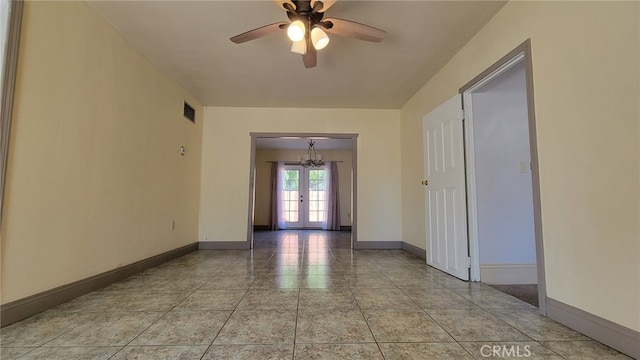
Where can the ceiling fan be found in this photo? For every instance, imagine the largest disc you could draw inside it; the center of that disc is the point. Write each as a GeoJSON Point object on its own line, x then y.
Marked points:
{"type": "Point", "coordinates": [308, 28]}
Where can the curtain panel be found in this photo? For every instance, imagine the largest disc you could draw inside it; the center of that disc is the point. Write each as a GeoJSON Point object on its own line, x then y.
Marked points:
{"type": "Point", "coordinates": [273, 200]}
{"type": "Point", "coordinates": [333, 198]}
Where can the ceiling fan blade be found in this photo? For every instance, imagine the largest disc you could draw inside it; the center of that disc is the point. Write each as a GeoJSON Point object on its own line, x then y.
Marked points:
{"type": "Point", "coordinates": [281, 3]}
{"type": "Point", "coordinates": [325, 4]}
{"type": "Point", "coordinates": [352, 29]}
{"type": "Point", "coordinates": [259, 32]}
{"type": "Point", "coordinates": [310, 59]}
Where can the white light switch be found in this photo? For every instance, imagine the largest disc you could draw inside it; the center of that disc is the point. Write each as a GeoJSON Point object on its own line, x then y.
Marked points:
{"type": "Point", "coordinates": [523, 166]}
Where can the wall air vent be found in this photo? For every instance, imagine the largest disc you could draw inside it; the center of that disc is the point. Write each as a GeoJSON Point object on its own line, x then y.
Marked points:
{"type": "Point", "coordinates": [189, 112]}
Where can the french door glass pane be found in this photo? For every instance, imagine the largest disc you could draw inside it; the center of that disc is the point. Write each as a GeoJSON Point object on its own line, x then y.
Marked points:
{"type": "Point", "coordinates": [291, 195]}
{"type": "Point", "coordinates": [317, 195]}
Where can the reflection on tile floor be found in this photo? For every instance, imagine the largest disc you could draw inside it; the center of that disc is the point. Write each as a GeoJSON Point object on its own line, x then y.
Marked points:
{"type": "Point", "coordinates": [297, 295]}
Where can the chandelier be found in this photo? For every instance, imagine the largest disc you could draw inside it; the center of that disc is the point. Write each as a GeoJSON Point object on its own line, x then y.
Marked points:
{"type": "Point", "coordinates": [311, 158]}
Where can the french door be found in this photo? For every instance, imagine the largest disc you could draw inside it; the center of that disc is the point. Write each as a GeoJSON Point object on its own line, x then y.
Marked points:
{"type": "Point", "coordinates": [304, 197]}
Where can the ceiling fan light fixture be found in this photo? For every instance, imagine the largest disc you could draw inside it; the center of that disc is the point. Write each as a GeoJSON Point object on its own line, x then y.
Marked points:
{"type": "Point", "coordinates": [299, 47]}
{"type": "Point", "coordinates": [319, 38]}
{"type": "Point", "coordinates": [307, 27]}
{"type": "Point", "coordinates": [296, 31]}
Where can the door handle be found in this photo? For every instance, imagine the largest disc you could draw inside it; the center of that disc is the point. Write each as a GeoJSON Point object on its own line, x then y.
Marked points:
{"type": "Point", "coordinates": [425, 182]}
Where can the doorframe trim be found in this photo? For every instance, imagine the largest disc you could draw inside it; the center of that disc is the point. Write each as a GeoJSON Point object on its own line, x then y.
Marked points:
{"type": "Point", "coordinates": [470, 161]}
{"type": "Point", "coordinates": [523, 54]}
{"type": "Point", "coordinates": [10, 70]}
{"type": "Point", "coordinates": [354, 176]}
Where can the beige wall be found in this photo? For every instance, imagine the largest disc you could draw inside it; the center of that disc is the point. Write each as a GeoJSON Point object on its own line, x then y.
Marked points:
{"type": "Point", "coordinates": [226, 156]}
{"type": "Point", "coordinates": [95, 177]}
{"type": "Point", "coordinates": [263, 180]}
{"type": "Point", "coordinates": [586, 71]}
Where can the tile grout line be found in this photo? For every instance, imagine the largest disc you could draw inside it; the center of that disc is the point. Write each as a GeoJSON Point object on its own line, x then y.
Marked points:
{"type": "Point", "coordinates": [228, 318]}
{"type": "Point", "coordinates": [153, 323]}
{"type": "Point", "coordinates": [295, 327]}
{"type": "Point", "coordinates": [440, 326]}
{"type": "Point", "coordinates": [383, 261]}
{"type": "Point", "coordinates": [43, 344]}
{"type": "Point", "coordinates": [366, 321]}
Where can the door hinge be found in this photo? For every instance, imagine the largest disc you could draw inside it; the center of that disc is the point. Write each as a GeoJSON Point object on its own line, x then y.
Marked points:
{"type": "Point", "coordinates": [461, 114]}
{"type": "Point", "coordinates": [468, 262]}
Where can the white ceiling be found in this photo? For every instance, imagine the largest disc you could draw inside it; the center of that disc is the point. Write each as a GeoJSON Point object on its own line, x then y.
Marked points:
{"type": "Point", "coordinates": [189, 42]}
{"type": "Point", "coordinates": [302, 144]}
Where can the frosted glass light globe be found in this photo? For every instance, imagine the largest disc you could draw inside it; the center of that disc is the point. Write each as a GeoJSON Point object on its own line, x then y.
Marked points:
{"type": "Point", "coordinates": [296, 31]}
{"type": "Point", "coordinates": [319, 38]}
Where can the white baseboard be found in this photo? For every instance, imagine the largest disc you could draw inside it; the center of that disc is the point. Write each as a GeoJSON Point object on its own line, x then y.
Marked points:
{"type": "Point", "coordinates": [621, 338]}
{"type": "Point", "coordinates": [421, 253]}
{"type": "Point", "coordinates": [377, 245]}
{"type": "Point", "coordinates": [508, 274]}
{"type": "Point", "coordinates": [224, 245]}
{"type": "Point", "coordinates": [23, 308]}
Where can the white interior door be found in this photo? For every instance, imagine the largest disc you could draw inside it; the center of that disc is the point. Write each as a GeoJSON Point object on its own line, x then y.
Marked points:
{"type": "Point", "coordinates": [445, 197]}
{"type": "Point", "coordinates": [305, 196]}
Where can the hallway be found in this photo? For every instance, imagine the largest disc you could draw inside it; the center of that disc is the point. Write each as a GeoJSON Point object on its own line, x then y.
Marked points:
{"type": "Point", "coordinates": [298, 294]}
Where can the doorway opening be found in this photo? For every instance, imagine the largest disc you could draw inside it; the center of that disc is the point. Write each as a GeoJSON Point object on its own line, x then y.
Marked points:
{"type": "Point", "coordinates": [482, 191]}
{"type": "Point", "coordinates": [503, 207]}
{"type": "Point", "coordinates": [286, 195]}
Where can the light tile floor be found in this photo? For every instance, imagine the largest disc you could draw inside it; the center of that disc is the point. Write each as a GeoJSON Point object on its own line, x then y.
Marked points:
{"type": "Point", "coordinates": [297, 295]}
